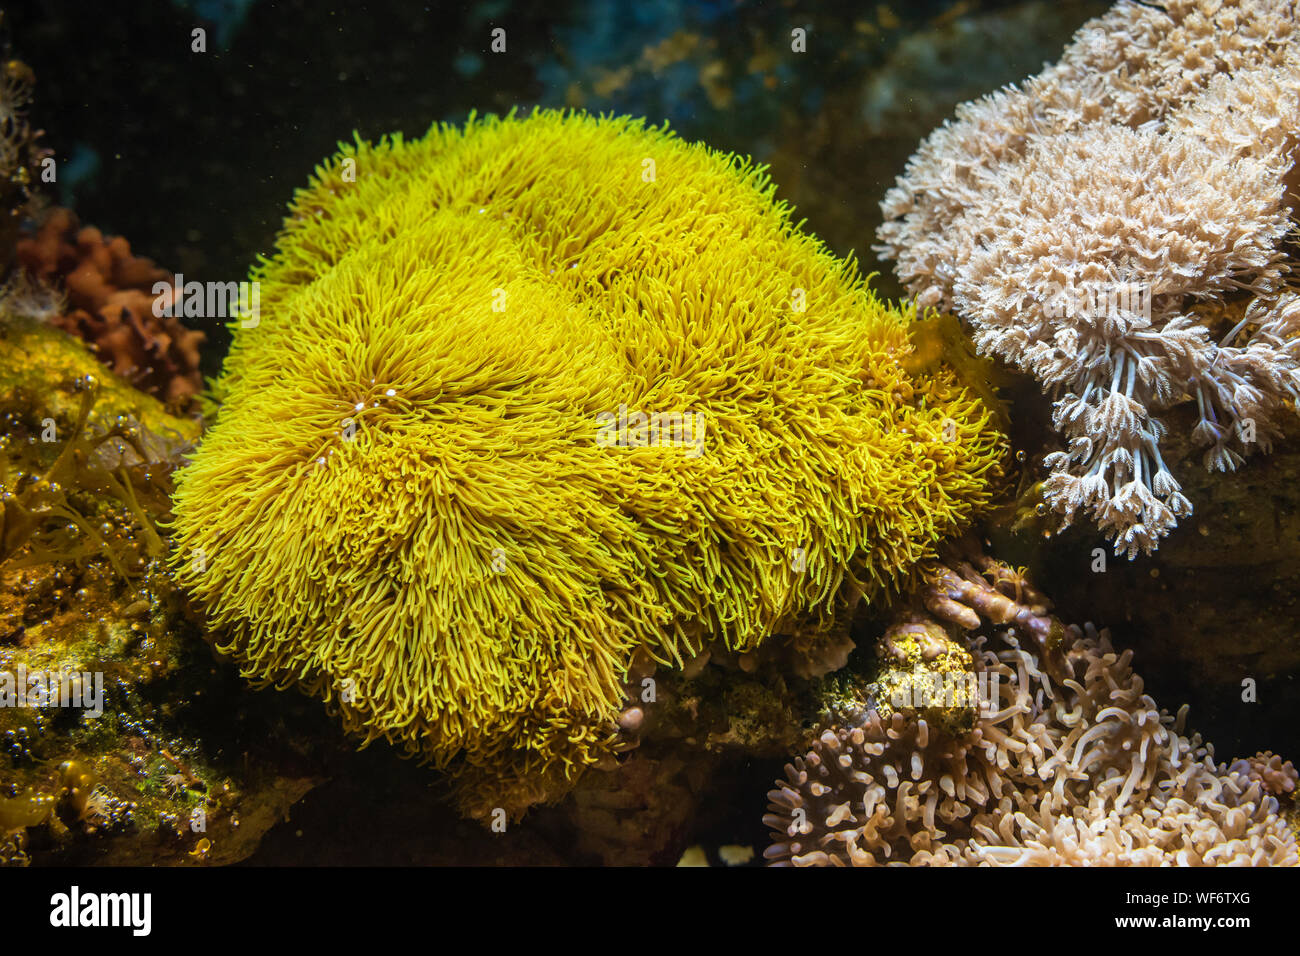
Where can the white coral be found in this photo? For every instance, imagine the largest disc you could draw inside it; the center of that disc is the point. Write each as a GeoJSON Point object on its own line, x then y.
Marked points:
{"type": "Point", "coordinates": [1105, 223]}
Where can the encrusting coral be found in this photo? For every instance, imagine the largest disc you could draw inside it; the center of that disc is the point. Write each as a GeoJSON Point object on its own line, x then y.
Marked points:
{"type": "Point", "coordinates": [528, 396]}
{"type": "Point", "coordinates": [1119, 226]}
{"type": "Point", "coordinates": [1061, 759]}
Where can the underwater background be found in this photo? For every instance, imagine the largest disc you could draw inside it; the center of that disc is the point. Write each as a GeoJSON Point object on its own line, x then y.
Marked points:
{"type": "Point", "coordinates": [193, 157]}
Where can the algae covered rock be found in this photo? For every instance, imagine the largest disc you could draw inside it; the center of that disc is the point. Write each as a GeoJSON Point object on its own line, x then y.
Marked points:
{"type": "Point", "coordinates": [121, 739]}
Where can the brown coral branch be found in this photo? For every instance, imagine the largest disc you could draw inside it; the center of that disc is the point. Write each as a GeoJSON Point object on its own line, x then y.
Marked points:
{"type": "Point", "coordinates": [110, 304]}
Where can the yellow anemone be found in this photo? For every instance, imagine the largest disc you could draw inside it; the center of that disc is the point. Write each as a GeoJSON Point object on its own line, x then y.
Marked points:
{"type": "Point", "coordinates": [526, 396]}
